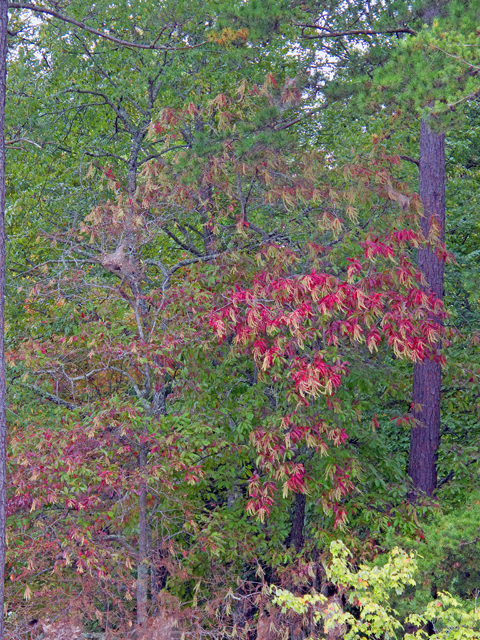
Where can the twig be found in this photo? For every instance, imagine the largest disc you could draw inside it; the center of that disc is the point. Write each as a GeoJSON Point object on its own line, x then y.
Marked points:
{"type": "Point", "coordinates": [410, 159]}
{"type": "Point", "coordinates": [353, 32]}
{"type": "Point", "coordinates": [15, 140]}
{"type": "Point", "coordinates": [77, 23]}
{"type": "Point", "coordinates": [47, 396]}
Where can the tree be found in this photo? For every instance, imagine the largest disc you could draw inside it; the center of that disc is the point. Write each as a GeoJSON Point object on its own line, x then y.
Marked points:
{"type": "Point", "coordinates": [427, 376]}
{"type": "Point", "coordinates": [3, 382]}
{"type": "Point", "coordinates": [326, 299]}
{"type": "Point", "coordinates": [425, 95]}
{"type": "Point", "coordinates": [370, 591]}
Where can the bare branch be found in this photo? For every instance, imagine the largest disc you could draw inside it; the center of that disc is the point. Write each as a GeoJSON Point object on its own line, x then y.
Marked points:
{"type": "Point", "coordinates": [353, 32]}
{"type": "Point", "coordinates": [123, 542]}
{"type": "Point", "coordinates": [185, 263]}
{"type": "Point", "coordinates": [15, 140]}
{"type": "Point", "coordinates": [161, 153]}
{"type": "Point", "coordinates": [140, 394]}
{"type": "Point", "coordinates": [105, 75]}
{"type": "Point", "coordinates": [47, 396]}
{"type": "Point", "coordinates": [301, 118]}
{"type": "Point", "coordinates": [77, 23]}
{"type": "Point", "coordinates": [105, 155]}
{"type": "Point", "coordinates": [121, 113]}
{"type": "Point", "coordinates": [168, 273]}
{"type": "Point", "coordinates": [410, 159]}
{"type": "Point", "coordinates": [187, 247]}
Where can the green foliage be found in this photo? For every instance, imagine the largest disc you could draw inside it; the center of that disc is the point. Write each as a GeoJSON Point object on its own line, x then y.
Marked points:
{"type": "Point", "coordinates": [370, 589]}
{"type": "Point", "coordinates": [447, 554]}
{"type": "Point", "coordinates": [231, 104]}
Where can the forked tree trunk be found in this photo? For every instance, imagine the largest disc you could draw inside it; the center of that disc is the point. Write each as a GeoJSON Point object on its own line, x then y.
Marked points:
{"type": "Point", "coordinates": [427, 376]}
{"type": "Point", "coordinates": [3, 386]}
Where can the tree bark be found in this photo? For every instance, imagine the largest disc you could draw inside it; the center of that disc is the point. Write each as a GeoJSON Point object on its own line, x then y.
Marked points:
{"type": "Point", "coordinates": [296, 536]}
{"type": "Point", "coordinates": [143, 559]}
{"type": "Point", "coordinates": [3, 386]}
{"type": "Point", "coordinates": [427, 376]}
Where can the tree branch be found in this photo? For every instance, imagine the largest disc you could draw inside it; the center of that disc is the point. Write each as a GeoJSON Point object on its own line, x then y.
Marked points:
{"type": "Point", "coordinates": [186, 247]}
{"type": "Point", "coordinates": [410, 159]}
{"type": "Point", "coordinates": [185, 263]}
{"type": "Point", "coordinates": [168, 273]}
{"type": "Point", "coordinates": [47, 396]}
{"type": "Point", "coordinates": [353, 32]}
{"type": "Point", "coordinates": [451, 475]}
{"type": "Point", "coordinates": [78, 23]}
{"type": "Point", "coordinates": [105, 75]}
{"type": "Point", "coordinates": [121, 113]}
{"type": "Point", "coordinates": [15, 140]}
{"type": "Point", "coordinates": [300, 118]}
{"type": "Point", "coordinates": [161, 153]}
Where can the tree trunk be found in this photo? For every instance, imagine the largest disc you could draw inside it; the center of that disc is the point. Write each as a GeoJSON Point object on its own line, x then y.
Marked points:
{"type": "Point", "coordinates": [143, 535]}
{"type": "Point", "coordinates": [427, 376]}
{"type": "Point", "coordinates": [296, 536]}
{"type": "Point", "coordinates": [3, 386]}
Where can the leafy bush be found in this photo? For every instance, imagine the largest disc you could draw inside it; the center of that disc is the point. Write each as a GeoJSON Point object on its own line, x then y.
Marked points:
{"type": "Point", "coordinates": [371, 591]}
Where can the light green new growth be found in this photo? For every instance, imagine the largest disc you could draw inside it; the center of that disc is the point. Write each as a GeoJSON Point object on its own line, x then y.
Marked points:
{"type": "Point", "coordinates": [370, 590]}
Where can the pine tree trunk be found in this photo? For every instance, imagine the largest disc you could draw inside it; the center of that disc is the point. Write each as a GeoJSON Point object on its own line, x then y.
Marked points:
{"type": "Point", "coordinates": [427, 376]}
{"type": "Point", "coordinates": [3, 385]}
